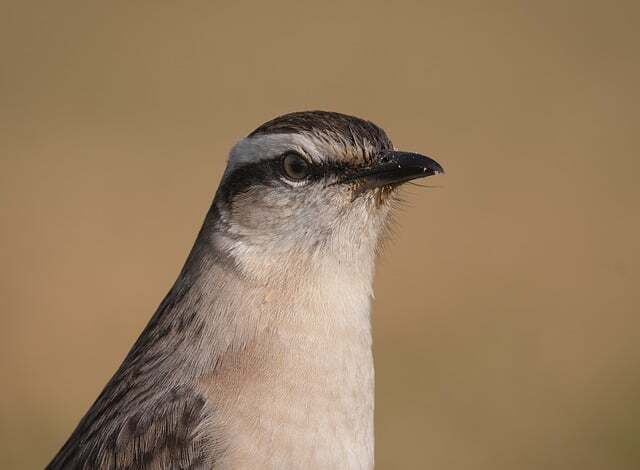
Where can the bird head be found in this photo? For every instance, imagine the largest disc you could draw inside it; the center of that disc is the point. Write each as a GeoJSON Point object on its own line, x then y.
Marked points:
{"type": "Point", "coordinates": [310, 186]}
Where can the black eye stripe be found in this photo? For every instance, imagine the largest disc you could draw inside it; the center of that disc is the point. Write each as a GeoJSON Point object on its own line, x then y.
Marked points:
{"type": "Point", "coordinates": [269, 173]}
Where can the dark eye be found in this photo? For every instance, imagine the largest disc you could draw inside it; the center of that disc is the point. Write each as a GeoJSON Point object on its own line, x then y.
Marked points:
{"type": "Point", "coordinates": [294, 166]}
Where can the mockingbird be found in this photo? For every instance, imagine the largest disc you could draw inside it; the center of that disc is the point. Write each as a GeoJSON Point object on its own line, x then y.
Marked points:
{"type": "Point", "coordinates": [259, 357]}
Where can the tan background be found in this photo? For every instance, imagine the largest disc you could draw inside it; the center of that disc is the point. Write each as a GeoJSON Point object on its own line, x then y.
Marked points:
{"type": "Point", "coordinates": [507, 326]}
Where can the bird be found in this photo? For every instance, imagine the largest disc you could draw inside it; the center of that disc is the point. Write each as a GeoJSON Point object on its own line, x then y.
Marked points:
{"type": "Point", "coordinates": [260, 355]}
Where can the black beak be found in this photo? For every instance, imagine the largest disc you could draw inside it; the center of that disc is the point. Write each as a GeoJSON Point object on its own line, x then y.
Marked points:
{"type": "Point", "coordinates": [394, 168]}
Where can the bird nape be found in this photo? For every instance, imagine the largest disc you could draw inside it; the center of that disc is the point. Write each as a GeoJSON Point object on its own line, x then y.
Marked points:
{"type": "Point", "coordinates": [260, 354]}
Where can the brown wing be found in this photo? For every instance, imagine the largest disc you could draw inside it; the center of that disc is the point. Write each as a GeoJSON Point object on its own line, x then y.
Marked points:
{"type": "Point", "coordinates": [149, 416]}
{"type": "Point", "coordinates": [168, 435]}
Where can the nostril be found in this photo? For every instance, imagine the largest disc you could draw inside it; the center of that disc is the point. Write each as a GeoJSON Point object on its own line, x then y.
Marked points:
{"type": "Point", "coordinates": [384, 158]}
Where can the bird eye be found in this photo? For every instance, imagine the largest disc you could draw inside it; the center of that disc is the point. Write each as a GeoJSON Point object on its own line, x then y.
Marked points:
{"type": "Point", "coordinates": [294, 166]}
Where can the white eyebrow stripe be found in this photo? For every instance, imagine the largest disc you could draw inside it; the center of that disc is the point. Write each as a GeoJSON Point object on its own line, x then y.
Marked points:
{"type": "Point", "coordinates": [266, 147]}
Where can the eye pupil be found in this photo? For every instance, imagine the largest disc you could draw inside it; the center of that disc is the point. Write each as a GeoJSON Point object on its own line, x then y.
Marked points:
{"type": "Point", "coordinates": [294, 166]}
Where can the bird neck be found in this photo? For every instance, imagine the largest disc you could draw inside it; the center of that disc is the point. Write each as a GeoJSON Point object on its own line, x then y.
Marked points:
{"type": "Point", "coordinates": [290, 366]}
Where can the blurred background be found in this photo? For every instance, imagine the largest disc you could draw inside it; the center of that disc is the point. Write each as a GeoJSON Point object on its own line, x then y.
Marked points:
{"type": "Point", "coordinates": [507, 326]}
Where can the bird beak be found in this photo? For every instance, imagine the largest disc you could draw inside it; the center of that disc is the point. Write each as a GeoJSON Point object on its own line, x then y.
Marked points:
{"type": "Point", "coordinates": [392, 168]}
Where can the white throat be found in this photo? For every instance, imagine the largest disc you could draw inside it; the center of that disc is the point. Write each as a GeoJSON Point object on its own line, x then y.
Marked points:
{"type": "Point", "coordinates": [300, 392]}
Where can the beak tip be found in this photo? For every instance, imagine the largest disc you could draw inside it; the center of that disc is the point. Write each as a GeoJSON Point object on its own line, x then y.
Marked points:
{"type": "Point", "coordinates": [435, 169]}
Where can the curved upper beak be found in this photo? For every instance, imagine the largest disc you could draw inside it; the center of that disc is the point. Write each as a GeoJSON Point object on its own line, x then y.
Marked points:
{"type": "Point", "coordinates": [395, 167]}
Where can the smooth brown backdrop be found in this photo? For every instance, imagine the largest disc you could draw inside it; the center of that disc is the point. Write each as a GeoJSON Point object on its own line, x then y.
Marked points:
{"type": "Point", "coordinates": [507, 308]}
